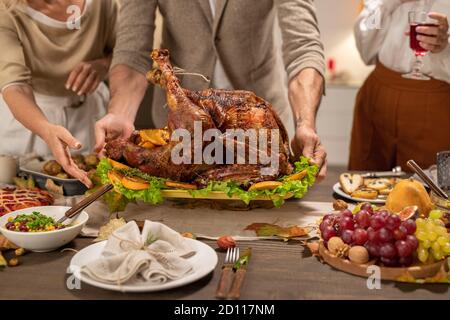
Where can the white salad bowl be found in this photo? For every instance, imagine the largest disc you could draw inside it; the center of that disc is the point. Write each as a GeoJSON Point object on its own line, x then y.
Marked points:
{"type": "Point", "coordinates": [49, 240]}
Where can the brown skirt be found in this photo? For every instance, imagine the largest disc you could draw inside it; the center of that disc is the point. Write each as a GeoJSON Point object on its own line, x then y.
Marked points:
{"type": "Point", "coordinates": [397, 119]}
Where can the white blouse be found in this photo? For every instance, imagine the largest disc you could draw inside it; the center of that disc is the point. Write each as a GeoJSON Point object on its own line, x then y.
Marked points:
{"type": "Point", "coordinates": [380, 36]}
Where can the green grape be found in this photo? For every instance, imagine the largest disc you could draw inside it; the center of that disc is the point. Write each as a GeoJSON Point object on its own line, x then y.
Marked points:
{"type": "Point", "coordinates": [429, 226]}
{"type": "Point", "coordinates": [434, 241]}
{"type": "Point", "coordinates": [441, 231]}
{"type": "Point", "coordinates": [426, 243]}
{"type": "Point", "coordinates": [357, 208]}
{"type": "Point", "coordinates": [439, 223]}
{"type": "Point", "coordinates": [436, 214]}
{"type": "Point", "coordinates": [437, 254]}
{"type": "Point", "coordinates": [435, 246]}
{"type": "Point", "coordinates": [431, 236]}
{"type": "Point", "coordinates": [442, 241]}
{"type": "Point", "coordinates": [420, 223]}
{"type": "Point", "coordinates": [421, 235]}
{"type": "Point", "coordinates": [422, 254]}
{"type": "Point", "coordinates": [446, 248]}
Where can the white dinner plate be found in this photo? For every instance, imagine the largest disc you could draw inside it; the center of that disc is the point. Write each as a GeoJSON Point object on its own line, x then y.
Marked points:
{"type": "Point", "coordinates": [204, 262]}
{"type": "Point", "coordinates": [337, 188]}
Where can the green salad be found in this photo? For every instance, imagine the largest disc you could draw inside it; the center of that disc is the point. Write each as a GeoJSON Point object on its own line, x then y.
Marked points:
{"type": "Point", "coordinates": [35, 222]}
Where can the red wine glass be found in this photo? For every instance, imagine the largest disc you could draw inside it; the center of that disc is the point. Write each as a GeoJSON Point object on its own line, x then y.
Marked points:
{"type": "Point", "coordinates": [417, 19]}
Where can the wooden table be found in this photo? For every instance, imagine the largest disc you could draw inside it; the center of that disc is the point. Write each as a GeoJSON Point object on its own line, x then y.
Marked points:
{"type": "Point", "coordinates": [277, 271]}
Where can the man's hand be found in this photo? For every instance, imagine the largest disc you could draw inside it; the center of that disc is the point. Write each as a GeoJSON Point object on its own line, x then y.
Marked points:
{"type": "Point", "coordinates": [128, 88]}
{"type": "Point", "coordinates": [87, 76]}
{"type": "Point", "coordinates": [307, 143]}
{"type": "Point", "coordinates": [109, 127]}
{"type": "Point", "coordinates": [60, 140]}
{"type": "Point", "coordinates": [305, 93]}
{"type": "Point", "coordinates": [435, 39]}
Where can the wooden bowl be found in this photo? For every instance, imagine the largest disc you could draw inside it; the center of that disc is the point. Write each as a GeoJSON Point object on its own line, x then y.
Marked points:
{"type": "Point", "coordinates": [422, 271]}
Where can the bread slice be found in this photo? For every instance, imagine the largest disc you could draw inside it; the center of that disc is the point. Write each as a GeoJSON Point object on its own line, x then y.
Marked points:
{"type": "Point", "coordinates": [387, 191]}
{"type": "Point", "coordinates": [378, 184]}
{"type": "Point", "coordinates": [350, 182]}
{"type": "Point", "coordinates": [365, 193]}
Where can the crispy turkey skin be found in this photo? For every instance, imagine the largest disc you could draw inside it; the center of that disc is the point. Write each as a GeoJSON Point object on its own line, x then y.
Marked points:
{"type": "Point", "coordinates": [214, 109]}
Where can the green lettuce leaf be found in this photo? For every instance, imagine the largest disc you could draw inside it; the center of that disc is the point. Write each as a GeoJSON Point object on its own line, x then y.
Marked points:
{"type": "Point", "coordinates": [297, 187]}
{"type": "Point", "coordinates": [103, 168]}
{"type": "Point", "coordinates": [153, 194]}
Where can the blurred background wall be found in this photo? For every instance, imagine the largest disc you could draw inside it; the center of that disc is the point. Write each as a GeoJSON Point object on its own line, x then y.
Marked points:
{"type": "Point", "coordinates": [336, 19]}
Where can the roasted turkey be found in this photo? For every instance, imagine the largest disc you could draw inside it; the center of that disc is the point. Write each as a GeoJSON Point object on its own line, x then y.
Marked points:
{"type": "Point", "coordinates": [215, 109]}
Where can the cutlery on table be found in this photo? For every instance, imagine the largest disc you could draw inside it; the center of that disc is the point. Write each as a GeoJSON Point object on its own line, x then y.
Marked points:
{"type": "Point", "coordinates": [395, 172]}
{"type": "Point", "coordinates": [428, 181]}
{"type": "Point", "coordinates": [241, 269]}
{"type": "Point", "coordinates": [226, 274]}
{"type": "Point", "coordinates": [87, 201]}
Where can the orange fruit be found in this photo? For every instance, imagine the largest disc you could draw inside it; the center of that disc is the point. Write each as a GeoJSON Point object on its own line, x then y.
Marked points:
{"type": "Point", "coordinates": [147, 145]}
{"type": "Point", "coordinates": [297, 176]}
{"type": "Point", "coordinates": [118, 165]}
{"type": "Point", "coordinates": [180, 185]}
{"type": "Point", "coordinates": [158, 137]}
{"type": "Point", "coordinates": [265, 185]}
{"type": "Point", "coordinates": [135, 183]}
{"type": "Point", "coordinates": [407, 193]}
{"type": "Point", "coordinates": [115, 177]}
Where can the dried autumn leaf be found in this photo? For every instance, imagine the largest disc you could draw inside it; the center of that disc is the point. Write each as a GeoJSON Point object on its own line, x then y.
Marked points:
{"type": "Point", "coordinates": [3, 262]}
{"type": "Point", "coordinates": [406, 277]}
{"type": "Point", "coordinates": [5, 244]}
{"type": "Point", "coordinates": [313, 246]}
{"type": "Point", "coordinates": [269, 230]}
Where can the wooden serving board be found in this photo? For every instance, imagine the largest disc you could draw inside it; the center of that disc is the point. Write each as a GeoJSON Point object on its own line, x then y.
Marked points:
{"type": "Point", "coordinates": [213, 195]}
{"type": "Point", "coordinates": [394, 274]}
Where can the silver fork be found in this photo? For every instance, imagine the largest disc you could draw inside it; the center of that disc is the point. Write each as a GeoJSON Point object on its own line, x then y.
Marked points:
{"type": "Point", "coordinates": [227, 271]}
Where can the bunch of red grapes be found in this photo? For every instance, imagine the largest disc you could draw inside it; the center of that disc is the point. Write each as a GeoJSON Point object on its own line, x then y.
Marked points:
{"type": "Point", "coordinates": [383, 234]}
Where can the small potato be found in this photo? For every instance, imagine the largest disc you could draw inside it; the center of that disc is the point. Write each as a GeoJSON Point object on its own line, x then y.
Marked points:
{"type": "Point", "coordinates": [52, 168]}
{"type": "Point", "coordinates": [91, 161]}
{"type": "Point", "coordinates": [79, 161]}
{"type": "Point", "coordinates": [14, 262]}
{"type": "Point", "coordinates": [62, 175]}
{"type": "Point", "coordinates": [78, 158]}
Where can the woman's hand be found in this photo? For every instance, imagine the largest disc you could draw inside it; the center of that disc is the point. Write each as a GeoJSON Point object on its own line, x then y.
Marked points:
{"type": "Point", "coordinates": [60, 140]}
{"type": "Point", "coordinates": [435, 39]}
{"type": "Point", "coordinates": [87, 76]}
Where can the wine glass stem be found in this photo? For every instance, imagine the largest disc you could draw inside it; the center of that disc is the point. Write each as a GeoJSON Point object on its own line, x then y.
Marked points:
{"type": "Point", "coordinates": [418, 64]}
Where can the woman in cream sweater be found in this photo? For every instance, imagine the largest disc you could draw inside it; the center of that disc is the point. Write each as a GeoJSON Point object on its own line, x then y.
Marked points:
{"type": "Point", "coordinates": [55, 55]}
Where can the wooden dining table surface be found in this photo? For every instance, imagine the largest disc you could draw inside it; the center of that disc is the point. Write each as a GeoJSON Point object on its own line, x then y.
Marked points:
{"type": "Point", "coordinates": [277, 270]}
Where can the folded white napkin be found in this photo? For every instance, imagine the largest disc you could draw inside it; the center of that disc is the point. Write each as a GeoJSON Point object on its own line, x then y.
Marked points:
{"type": "Point", "coordinates": [157, 255]}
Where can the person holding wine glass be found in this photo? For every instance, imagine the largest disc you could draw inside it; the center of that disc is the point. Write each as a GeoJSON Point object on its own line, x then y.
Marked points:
{"type": "Point", "coordinates": [402, 111]}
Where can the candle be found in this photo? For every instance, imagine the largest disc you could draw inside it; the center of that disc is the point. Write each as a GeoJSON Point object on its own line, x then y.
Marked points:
{"type": "Point", "coordinates": [8, 169]}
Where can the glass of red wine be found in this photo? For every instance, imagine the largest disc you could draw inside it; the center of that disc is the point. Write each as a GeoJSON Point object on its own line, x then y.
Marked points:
{"type": "Point", "coordinates": [418, 19]}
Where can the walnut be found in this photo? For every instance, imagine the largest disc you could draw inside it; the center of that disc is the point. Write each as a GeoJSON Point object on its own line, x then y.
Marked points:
{"type": "Point", "coordinates": [340, 205]}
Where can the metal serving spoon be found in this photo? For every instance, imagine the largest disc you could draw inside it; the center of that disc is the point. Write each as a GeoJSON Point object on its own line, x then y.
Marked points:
{"type": "Point", "coordinates": [430, 183]}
